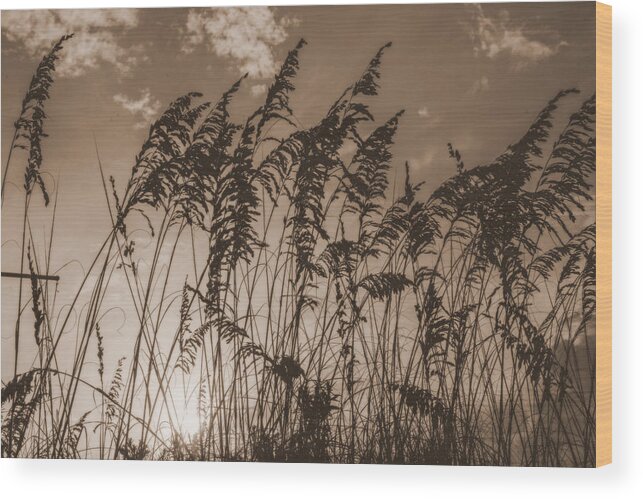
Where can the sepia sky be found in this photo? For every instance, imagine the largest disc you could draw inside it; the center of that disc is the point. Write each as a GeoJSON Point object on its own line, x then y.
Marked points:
{"type": "Point", "coordinates": [471, 75]}
{"type": "Point", "coordinates": [475, 76]}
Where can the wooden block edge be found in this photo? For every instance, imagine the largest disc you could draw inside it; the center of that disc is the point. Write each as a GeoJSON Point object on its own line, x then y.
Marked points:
{"type": "Point", "coordinates": [603, 234]}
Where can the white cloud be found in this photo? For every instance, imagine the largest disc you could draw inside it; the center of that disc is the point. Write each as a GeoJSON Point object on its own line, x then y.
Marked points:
{"type": "Point", "coordinates": [144, 107]}
{"type": "Point", "coordinates": [480, 85]}
{"type": "Point", "coordinates": [424, 161]}
{"type": "Point", "coordinates": [431, 119]}
{"type": "Point", "coordinates": [243, 35]}
{"type": "Point", "coordinates": [348, 149]}
{"type": "Point", "coordinates": [257, 90]}
{"type": "Point", "coordinates": [94, 41]}
{"type": "Point", "coordinates": [493, 37]}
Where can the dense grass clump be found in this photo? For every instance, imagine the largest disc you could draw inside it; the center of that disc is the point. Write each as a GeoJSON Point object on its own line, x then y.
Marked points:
{"type": "Point", "coordinates": [327, 316]}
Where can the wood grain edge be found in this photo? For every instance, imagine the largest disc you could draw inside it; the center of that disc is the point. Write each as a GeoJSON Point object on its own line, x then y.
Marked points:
{"type": "Point", "coordinates": [603, 234]}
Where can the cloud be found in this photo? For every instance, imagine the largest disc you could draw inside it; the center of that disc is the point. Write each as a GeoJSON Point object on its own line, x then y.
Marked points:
{"type": "Point", "coordinates": [243, 35]}
{"type": "Point", "coordinates": [145, 107]}
{"type": "Point", "coordinates": [424, 161]}
{"type": "Point", "coordinates": [480, 85]}
{"type": "Point", "coordinates": [348, 149]}
{"type": "Point", "coordinates": [431, 119]}
{"type": "Point", "coordinates": [257, 90]}
{"type": "Point", "coordinates": [94, 41]}
{"type": "Point", "coordinates": [493, 37]}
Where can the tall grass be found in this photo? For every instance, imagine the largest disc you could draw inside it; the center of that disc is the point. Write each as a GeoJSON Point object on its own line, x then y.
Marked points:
{"type": "Point", "coordinates": [327, 316]}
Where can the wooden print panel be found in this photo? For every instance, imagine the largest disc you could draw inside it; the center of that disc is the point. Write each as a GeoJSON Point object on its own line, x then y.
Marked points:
{"type": "Point", "coordinates": [604, 234]}
{"type": "Point", "coordinates": [336, 234]}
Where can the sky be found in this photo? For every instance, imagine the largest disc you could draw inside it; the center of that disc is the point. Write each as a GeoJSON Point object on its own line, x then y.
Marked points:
{"type": "Point", "coordinates": [472, 75]}
{"type": "Point", "coordinates": [475, 76]}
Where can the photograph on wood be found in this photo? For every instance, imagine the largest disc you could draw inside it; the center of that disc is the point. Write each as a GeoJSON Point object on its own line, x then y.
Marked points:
{"type": "Point", "coordinates": [326, 234]}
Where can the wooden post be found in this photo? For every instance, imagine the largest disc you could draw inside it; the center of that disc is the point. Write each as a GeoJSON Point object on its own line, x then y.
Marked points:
{"type": "Point", "coordinates": [40, 277]}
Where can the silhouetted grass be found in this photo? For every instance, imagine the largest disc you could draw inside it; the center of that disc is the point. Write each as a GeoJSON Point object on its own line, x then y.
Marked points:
{"type": "Point", "coordinates": [327, 317]}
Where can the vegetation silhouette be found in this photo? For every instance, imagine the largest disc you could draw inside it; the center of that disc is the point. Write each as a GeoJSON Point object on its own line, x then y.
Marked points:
{"type": "Point", "coordinates": [328, 318]}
